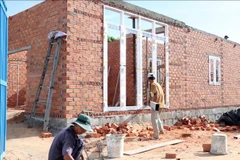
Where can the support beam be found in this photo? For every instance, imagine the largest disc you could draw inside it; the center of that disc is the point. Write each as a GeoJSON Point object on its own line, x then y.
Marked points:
{"type": "Point", "coordinates": [134, 62]}
{"type": "Point", "coordinates": [122, 64]}
{"type": "Point", "coordinates": [159, 30]}
{"type": "Point", "coordinates": [139, 67]}
{"type": "Point", "coordinates": [19, 49]}
{"type": "Point", "coordinates": [154, 52]}
{"type": "Point", "coordinates": [105, 67]}
{"type": "Point", "coordinates": [167, 67]}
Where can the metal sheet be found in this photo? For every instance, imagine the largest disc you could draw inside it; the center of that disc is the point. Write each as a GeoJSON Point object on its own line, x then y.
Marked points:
{"type": "Point", "coordinates": [3, 75]}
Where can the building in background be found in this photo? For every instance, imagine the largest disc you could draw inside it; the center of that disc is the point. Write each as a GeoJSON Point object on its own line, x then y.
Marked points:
{"type": "Point", "coordinates": [106, 77]}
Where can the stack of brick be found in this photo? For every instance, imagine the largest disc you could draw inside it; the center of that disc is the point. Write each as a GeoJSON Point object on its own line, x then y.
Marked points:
{"type": "Point", "coordinates": [202, 124]}
{"type": "Point", "coordinates": [123, 128]}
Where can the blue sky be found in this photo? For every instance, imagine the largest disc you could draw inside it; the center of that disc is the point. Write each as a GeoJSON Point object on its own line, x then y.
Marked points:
{"type": "Point", "coordinates": [216, 17]}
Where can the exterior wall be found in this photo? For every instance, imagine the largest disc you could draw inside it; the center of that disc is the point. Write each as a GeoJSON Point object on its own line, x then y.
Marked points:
{"type": "Point", "coordinates": [189, 50]}
{"type": "Point", "coordinates": [30, 28]}
{"type": "Point", "coordinates": [189, 82]}
{"type": "Point", "coordinates": [17, 72]}
{"type": "Point", "coordinates": [79, 79]}
{"type": "Point", "coordinates": [84, 57]}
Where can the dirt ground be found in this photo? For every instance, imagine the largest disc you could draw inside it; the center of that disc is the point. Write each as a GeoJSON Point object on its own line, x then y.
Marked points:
{"type": "Point", "coordinates": [26, 144]}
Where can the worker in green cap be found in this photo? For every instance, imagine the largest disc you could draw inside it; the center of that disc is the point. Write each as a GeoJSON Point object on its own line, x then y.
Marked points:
{"type": "Point", "coordinates": [67, 145]}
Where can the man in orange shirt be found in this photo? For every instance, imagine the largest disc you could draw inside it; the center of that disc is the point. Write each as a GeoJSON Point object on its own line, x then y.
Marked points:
{"type": "Point", "coordinates": [157, 96]}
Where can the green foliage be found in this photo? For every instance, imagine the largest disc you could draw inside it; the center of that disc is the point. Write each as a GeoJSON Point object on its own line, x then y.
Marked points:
{"type": "Point", "coordinates": [111, 39]}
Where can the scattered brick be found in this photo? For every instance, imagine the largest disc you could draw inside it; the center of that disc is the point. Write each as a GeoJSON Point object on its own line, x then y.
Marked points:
{"type": "Point", "coordinates": [151, 134]}
{"type": "Point", "coordinates": [192, 128]}
{"type": "Point", "coordinates": [143, 134]}
{"type": "Point", "coordinates": [93, 135]}
{"type": "Point", "coordinates": [206, 147]}
{"type": "Point", "coordinates": [131, 135]}
{"type": "Point", "coordinates": [150, 128]}
{"type": "Point", "coordinates": [168, 128]}
{"type": "Point", "coordinates": [186, 135]}
{"type": "Point", "coordinates": [170, 155]}
{"type": "Point", "coordinates": [46, 134]}
{"type": "Point", "coordinates": [108, 125]}
{"type": "Point", "coordinates": [114, 125]}
{"type": "Point", "coordinates": [215, 129]}
{"type": "Point", "coordinates": [202, 124]}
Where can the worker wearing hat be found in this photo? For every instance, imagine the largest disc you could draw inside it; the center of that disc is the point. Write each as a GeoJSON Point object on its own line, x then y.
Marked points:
{"type": "Point", "coordinates": [157, 96]}
{"type": "Point", "coordinates": [66, 144]}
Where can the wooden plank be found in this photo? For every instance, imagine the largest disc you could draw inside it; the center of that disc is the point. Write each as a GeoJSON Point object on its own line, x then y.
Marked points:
{"type": "Point", "coordinates": [237, 136]}
{"type": "Point", "coordinates": [147, 148]}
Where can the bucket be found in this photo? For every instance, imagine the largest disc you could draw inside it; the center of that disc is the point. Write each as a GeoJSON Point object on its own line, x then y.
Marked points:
{"type": "Point", "coordinates": [115, 145]}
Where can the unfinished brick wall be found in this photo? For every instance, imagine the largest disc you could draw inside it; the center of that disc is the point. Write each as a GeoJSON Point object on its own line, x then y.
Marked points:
{"type": "Point", "coordinates": [17, 71]}
{"type": "Point", "coordinates": [189, 82]}
{"type": "Point", "coordinates": [79, 79]}
{"type": "Point", "coordinates": [189, 50]}
{"type": "Point", "coordinates": [84, 57]}
{"type": "Point", "coordinates": [30, 28]}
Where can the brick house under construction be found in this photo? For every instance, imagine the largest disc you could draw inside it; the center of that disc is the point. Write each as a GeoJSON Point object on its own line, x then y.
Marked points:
{"type": "Point", "coordinates": [198, 70]}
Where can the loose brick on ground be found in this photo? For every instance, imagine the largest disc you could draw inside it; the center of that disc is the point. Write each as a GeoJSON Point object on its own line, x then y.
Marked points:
{"type": "Point", "coordinates": [46, 134]}
{"type": "Point", "coordinates": [170, 155]}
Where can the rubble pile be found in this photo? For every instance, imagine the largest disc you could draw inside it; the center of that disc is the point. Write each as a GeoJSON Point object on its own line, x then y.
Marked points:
{"type": "Point", "coordinates": [123, 128]}
{"type": "Point", "coordinates": [200, 123]}
{"type": "Point", "coordinates": [203, 124]}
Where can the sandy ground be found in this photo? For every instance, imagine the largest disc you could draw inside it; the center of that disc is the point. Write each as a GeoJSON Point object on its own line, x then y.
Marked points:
{"type": "Point", "coordinates": [25, 144]}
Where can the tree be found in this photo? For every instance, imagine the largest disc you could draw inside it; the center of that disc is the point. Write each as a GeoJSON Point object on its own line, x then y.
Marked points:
{"type": "Point", "coordinates": [111, 39]}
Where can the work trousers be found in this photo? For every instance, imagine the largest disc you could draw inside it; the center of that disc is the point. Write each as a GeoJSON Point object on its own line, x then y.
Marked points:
{"type": "Point", "coordinates": [156, 122]}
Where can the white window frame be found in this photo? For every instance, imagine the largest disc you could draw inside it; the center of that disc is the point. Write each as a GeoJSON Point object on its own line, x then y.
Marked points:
{"type": "Point", "coordinates": [139, 33]}
{"type": "Point", "coordinates": [214, 59]}
{"type": "Point", "coordinates": [158, 73]}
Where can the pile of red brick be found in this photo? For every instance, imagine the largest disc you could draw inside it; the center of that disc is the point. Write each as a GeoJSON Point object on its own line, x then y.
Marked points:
{"type": "Point", "coordinates": [200, 123]}
{"type": "Point", "coordinates": [123, 128]}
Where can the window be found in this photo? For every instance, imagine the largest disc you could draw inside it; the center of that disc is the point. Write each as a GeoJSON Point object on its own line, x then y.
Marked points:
{"type": "Point", "coordinates": [214, 70]}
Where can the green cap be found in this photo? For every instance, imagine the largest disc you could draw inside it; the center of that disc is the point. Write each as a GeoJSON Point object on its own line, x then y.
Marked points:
{"type": "Point", "coordinates": [84, 121]}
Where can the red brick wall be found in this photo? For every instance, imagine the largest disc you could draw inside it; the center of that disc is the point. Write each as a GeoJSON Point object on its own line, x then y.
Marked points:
{"type": "Point", "coordinates": [84, 57]}
{"type": "Point", "coordinates": [113, 77]}
{"type": "Point", "coordinates": [188, 69]}
{"type": "Point", "coordinates": [189, 86]}
{"type": "Point", "coordinates": [79, 79]}
{"type": "Point", "coordinates": [31, 27]}
{"type": "Point", "coordinates": [17, 70]}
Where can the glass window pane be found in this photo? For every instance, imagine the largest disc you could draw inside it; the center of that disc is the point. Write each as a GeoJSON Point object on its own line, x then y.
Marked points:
{"type": "Point", "coordinates": [211, 70]}
{"type": "Point", "coordinates": [217, 70]}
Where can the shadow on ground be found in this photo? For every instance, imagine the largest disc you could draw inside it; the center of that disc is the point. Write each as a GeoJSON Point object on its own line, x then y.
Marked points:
{"type": "Point", "coordinates": [206, 154]}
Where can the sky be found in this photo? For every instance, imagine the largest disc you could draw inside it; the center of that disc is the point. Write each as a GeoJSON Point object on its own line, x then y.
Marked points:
{"type": "Point", "coordinates": [217, 17]}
